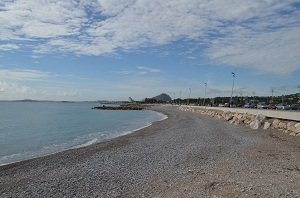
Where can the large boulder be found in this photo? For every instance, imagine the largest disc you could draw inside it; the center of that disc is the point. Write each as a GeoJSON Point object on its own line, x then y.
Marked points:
{"type": "Point", "coordinates": [228, 116]}
{"type": "Point", "coordinates": [291, 126]}
{"type": "Point", "coordinates": [297, 128]}
{"type": "Point", "coordinates": [267, 125]}
{"type": "Point", "coordinates": [282, 125]}
{"type": "Point", "coordinates": [255, 124]}
{"type": "Point", "coordinates": [275, 123]}
{"type": "Point", "coordinates": [239, 116]}
{"type": "Point", "coordinates": [259, 119]}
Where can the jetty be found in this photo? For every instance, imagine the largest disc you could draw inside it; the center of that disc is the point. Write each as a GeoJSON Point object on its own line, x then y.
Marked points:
{"type": "Point", "coordinates": [121, 107]}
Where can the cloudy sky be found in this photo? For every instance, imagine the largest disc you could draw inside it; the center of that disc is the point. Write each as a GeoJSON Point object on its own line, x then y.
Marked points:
{"type": "Point", "coordinates": [113, 49]}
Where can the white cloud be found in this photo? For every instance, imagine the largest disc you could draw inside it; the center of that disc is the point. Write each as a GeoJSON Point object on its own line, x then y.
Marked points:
{"type": "Point", "coordinates": [266, 52]}
{"type": "Point", "coordinates": [148, 69]}
{"type": "Point", "coordinates": [12, 90]}
{"type": "Point", "coordinates": [7, 47]}
{"type": "Point", "coordinates": [141, 70]}
{"type": "Point", "coordinates": [40, 19]}
{"type": "Point", "coordinates": [259, 34]}
{"type": "Point", "coordinates": [15, 89]}
{"type": "Point", "coordinates": [22, 75]}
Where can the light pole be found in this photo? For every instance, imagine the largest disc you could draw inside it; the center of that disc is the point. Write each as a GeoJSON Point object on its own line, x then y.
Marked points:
{"type": "Point", "coordinates": [233, 76]}
{"type": "Point", "coordinates": [173, 95]}
{"type": "Point", "coordinates": [180, 92]}
{"type": "Point", "coordinates": [190, 91]}
{"type": "Point", "coordinates": [205, 85]}
{"type": "Point", "coordinates": [272, 90]}
{"type": "Point", "coordinates": [298, 86]}
{"type": "Point", "coordinates": [283, 89]}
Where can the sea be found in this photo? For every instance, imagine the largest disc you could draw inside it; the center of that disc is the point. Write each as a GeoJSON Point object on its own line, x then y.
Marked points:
{"type": "Point", "coordinates": [33, 129]}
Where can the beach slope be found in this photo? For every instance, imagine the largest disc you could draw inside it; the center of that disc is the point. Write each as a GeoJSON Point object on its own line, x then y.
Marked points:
{"type": "Point", "coordinates": [186, 155]}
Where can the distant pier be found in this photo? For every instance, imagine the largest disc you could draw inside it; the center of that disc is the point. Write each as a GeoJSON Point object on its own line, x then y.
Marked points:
{"type": "Point", "coordinates": [122, 107]}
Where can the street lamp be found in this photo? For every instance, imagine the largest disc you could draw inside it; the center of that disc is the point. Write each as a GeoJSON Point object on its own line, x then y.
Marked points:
{"type": "Point", "coordinates": [253, 94]}
{"type": "Point", "coordinates": [272, 90]}
{"type": "Point", "coordinates": [298, 86]}
{"type": "Point", "coordinates": [233, 76]}
{"type": "Point", "coordinates": [190, 91]}
{"type": "Point", "coordinates": [180, 92]}
{"type": "Point", "coordinates": [205, 85]}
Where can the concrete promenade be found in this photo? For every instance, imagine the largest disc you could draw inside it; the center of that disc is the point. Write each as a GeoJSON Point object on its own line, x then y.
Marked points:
{"type": "Point", "coordinates": [287, 115]}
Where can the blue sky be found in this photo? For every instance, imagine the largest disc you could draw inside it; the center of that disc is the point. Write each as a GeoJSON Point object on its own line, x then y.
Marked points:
{"type": "Point", "coordinates": [113, 49]}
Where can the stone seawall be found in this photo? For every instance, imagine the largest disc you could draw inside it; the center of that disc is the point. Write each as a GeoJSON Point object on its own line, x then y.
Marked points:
{"type": "Point", "coordinates": [252, 121]}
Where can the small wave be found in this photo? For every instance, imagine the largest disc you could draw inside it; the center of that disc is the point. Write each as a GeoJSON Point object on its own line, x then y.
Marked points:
{"type": "Point", "coordinates": [163, 116]}
{"type": "Point", "coordinates": [147, 125]}
{"type": "Point", "coordinates": [55, 148]}
{"type": "Point", "coordinates": [93, 141]}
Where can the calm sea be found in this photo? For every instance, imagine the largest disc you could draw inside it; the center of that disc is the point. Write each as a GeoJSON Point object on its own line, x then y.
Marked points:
{"type": "Point", "coordinates": [32, 129]}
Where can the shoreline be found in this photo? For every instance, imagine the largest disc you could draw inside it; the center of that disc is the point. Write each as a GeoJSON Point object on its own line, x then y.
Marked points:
{"type": "Point", "coordinates": [86, 144]}
{"type": "Point", "coordinates": [186, 155]}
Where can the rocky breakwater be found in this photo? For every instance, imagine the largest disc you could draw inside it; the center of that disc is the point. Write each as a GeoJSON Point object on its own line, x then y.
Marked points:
{"type": "Point", "coordinates": [249, 120]}
{"type": "Point", "coordinates": [121, 107]}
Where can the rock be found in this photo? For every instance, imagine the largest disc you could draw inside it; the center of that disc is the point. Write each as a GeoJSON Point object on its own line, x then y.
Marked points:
{"type": "Point", "coordinates": [219, 117]}
{"type": "Point", "coordinates": [297, 128]}
{"type": "Point", "coordinates": [291, 126]}
{"type": "Point", "coordinates": [255, 124]}
{"type": "Point", "coordinates": [275, 123]}
{"type": "Point", "coordinates": [235, 119]}
{"type": "Point", "coordinates": [237, 122]}
{"type": "Point", "coordinates": [228, 117]}
{"type": "Point", "coordinates": [260, 117]}
{"type": "Point", "coordinates": [293, 134]}
{"type": "Point", "coordinates": [122, 107]}
{"type": "Point", "coordinates": [282, 125]}
{"type": "Point", "coordinates": [267, 125]}
{"type": "Point", "coordinates": [239, 116]}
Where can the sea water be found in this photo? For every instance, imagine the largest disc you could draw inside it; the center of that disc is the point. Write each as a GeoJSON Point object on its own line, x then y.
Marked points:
{"type": "Point", "coordinates": [32, 129]}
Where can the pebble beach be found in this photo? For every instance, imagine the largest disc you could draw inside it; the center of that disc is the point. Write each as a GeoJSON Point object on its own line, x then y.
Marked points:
{"type": "Point", "coordinates": [186, 155]}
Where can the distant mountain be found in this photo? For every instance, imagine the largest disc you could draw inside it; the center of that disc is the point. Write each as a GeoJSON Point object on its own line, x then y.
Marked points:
{"type": "Point", "coordinates": [163, 98]}
{"type": "Point", "coordinates": [26, 100]}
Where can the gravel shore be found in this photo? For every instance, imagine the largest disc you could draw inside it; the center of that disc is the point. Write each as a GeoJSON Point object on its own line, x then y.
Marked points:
{"type": "Point", "coordinates": [186, 155]}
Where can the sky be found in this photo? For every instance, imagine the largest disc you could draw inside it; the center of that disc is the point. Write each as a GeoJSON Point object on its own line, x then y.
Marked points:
{"type": "Point", "coordinates": [114, 49]}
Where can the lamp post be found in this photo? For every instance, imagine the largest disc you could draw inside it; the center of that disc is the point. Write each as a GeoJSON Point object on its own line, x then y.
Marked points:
{"type": "Point", "coordinates": [205, 85]}
{"type": "Point", "coordinates": [253, 94]}
{"type": "Point", "coordinates": [190, 91]}
{"type": "Point", "coordinates": [173, 93]}
{"type": "Point", "coordinates": [233, 76]}
{"type": "Point", "coordinates": [298, 86]}
{"type": "Point", "coordinates": [180, 92]}
{"type": "Point", "coordinates": [272, 90]}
